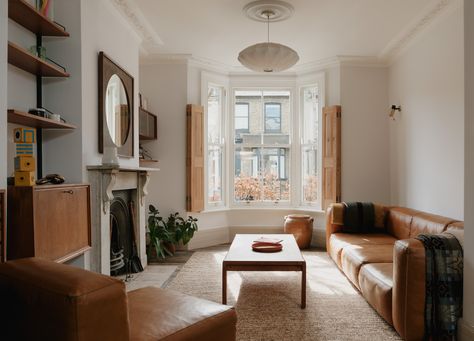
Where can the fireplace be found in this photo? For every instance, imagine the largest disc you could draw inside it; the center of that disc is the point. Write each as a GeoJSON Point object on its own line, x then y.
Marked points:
{"type": "Point", "coordinates": [120, 234]}
{"type": "Point", "coordinates": [112, 190]}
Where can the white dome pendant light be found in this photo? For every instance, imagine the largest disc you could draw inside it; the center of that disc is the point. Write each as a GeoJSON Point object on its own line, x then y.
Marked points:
{"type": "Point", "coordinates": [268, 57]}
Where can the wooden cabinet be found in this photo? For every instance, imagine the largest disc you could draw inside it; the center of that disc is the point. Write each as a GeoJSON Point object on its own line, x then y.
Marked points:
{"type": "Point", "coordinates": [51, 222]}
{"type": "Point", "coordinates": [147, 125]}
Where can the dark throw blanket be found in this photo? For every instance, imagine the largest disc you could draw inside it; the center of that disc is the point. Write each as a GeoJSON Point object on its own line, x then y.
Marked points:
{"type": "Point", "coordinates": [359, 217]}
{"type": "Point", "coordinates": [444, 280]}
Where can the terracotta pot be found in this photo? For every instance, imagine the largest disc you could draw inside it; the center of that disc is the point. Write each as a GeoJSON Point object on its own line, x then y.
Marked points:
{"type": "Point", "coordinates": [170, 247]}
{"type": "Point", "coordinates": [301, 226]}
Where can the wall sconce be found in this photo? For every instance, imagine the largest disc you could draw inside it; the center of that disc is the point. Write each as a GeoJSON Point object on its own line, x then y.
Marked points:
{"type": "Point", "coordinates": [394, 109]}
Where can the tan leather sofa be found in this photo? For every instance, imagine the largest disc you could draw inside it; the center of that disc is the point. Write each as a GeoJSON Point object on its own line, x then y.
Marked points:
{"type": "Point", "coordinates": [389, 268]}
{"type": "Point", "coordinates": [42, 300]}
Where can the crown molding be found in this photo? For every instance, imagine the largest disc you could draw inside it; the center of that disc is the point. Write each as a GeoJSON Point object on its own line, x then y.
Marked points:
{"type": "Point", "coordinates": [222, 68]}
{"type": "Point", "coordinates": [134, 16]}
{"type": "Point", "coordinates": [416, 28]}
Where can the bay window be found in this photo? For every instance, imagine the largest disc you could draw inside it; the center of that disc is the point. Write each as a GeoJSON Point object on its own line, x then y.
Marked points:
{"type": "Point", "coordinates": [272, 139]}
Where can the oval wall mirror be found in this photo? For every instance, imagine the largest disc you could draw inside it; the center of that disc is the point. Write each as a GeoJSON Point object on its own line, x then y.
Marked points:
{"type": "Point", "coordinates": [116, 107]}
{"type": "Point", "coordinates": [117, 111]}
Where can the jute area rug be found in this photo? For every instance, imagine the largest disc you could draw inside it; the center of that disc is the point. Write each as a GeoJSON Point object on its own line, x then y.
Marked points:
{"type": "Point", "coordinates": [268, 303]}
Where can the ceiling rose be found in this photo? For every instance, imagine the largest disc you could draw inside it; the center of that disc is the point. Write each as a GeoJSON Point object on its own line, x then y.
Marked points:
{"type": "Point", "coordinates": [268, 56]}
{"type": "Point", "coordinates": [256, 10]}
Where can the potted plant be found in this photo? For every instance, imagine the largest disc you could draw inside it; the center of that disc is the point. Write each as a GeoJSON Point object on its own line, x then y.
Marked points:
{"type": "Point", "coordinates": [166, 234]}
{"type": "Point", "coordinates": [158, 233]}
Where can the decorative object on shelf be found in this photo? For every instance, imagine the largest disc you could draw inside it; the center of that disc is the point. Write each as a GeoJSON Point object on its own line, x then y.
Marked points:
{"type": "Point", "coordinates": [24, 148]}
{"type": "Point", "coordinates": [46, 8]}
{"type": "Point", "coordinates": [25, 163]}
{"type": "Point", "coordinates": [37, 112]}
{"type": "Point", "coordinates": [116, 107]}
{"type": "Point", "coordinates": [24, 139]}
{"type": "Point", "coordinates": [24, 178]}
{"type": "Point", "coordinates": [38, 51]}
{"type": "Point", "coordinates": [268, 56]}
{"type": "Point", "coordinates": [301, 226]}
{"type": "Point", "coordinates": [53, 179]}
{"type": "Point", "coordinates": [393, 110]}
{"type": "Point", "coordinates": [24, 135]}
{"type": "Point", "coordinates": [164, 235]}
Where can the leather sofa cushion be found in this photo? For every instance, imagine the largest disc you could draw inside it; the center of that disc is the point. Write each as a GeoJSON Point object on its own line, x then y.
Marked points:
{"type": "Point", "coordinates": [428, 223]}
{"type": "Point", "coordinates": [338, 241]}
{"type": "Point", "coordinates": [157, 314]}
{"type": "Point", "coordinates": [376, 283]}
{"type": "Point", "coordinates": [355, 256]}
{"type": "Point", "coordinates": [399, 222]}
{"type": "Point", "coordinates": [43, 300]}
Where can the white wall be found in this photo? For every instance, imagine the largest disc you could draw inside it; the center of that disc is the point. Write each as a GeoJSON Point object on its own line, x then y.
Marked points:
{"type": "Point", "coordinates": [333, 85]}
{"type": "Point", "coordinates": [165, 87]}
{"type": "Point", "coordinates": [426, 139]}
{"type": "Point", "coordinates": [365, 149]}
{"type": "Point", "coordinates": [104, 29]}
{"type": "Point", "coordinates": [62, 150]}
{"type": "Point", "coordinates": [467, 323]}
{"type": "Point", "coordinates": [3, 91]}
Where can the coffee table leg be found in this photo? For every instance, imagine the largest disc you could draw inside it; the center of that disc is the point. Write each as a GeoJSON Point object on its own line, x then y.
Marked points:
{"type": "Point", "coordinates": [303, 287]}
{"type": "Point", "coordinates": [224, 284]}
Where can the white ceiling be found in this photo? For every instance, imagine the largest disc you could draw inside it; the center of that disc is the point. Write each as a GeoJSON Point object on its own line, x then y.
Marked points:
{"type": "Point", "coordinates": [218, 30]}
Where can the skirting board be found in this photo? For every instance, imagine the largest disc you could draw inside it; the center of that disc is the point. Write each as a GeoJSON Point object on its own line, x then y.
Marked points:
{"type": "Point", "coordinates": [465, 331]}
{"type": "Point", "coordinates": [209, 237]}
{"type": "Point", "coordinates": [223, 235]}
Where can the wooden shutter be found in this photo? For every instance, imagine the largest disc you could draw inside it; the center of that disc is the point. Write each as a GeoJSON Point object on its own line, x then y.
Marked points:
{"type": "Point", "coordinates": [194, 158]}
{"type": "Point", "coordinates": [331, 177]}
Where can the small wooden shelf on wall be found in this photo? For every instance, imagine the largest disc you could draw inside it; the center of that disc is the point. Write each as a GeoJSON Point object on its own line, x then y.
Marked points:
{"type": "Point", "coordinates": [30, 120]}
{"type": "Point", "coordinates": [27, 16]}
{"type": "Point", "coordinates": [24, 60]}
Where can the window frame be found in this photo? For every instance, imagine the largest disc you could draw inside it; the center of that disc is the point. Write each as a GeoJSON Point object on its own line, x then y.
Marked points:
{"type": "Point", "coordinates": [208, 80]}
{"type": "Point", "coordinates": [319, 82]}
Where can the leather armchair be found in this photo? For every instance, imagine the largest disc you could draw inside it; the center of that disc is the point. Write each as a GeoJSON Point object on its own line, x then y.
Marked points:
{"type": "Point", "coordinates": [43, 300]}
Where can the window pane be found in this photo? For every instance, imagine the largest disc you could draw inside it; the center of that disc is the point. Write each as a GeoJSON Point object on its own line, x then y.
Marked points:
{"type": "Point", "coordinates": [310, 115]}
{"type": "Point", "coordinates": [214, 114]}
{"type": "Point", "coordinates": [310, 136]}
{"type": "Point", "coordinates": [310, 175]}
{"type": "Point", "coordinates": [272, 117]}
{"type": "Point", "coordinates": [275, 173]}
{"type": "Point", "coordinates": [246, 179]}
{"type": "Point", "coordinates": [214, 174]}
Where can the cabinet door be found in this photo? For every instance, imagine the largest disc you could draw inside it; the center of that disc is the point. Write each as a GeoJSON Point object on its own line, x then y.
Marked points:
{"type": "Point", "coordinates": [62, 222]}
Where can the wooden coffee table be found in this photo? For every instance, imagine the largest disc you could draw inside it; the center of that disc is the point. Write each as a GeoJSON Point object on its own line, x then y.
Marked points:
{"type": "Point", "coordinates": [241, 257]}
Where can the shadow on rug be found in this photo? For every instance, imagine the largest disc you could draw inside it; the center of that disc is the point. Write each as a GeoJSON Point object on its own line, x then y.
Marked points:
{"type": "Point", "coordinates": [267, 303]}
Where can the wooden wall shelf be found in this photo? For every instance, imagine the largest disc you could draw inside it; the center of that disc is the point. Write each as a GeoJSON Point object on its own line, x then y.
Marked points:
{"type": "Point", "coordinates": [26, 61]}
{"type": "Point", "coordinates": [30, 120]}
{"type": "Point", "coordinates": [27, 16]}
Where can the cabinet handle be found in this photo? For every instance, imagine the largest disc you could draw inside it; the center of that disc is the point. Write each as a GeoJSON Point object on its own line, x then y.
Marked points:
{"type": "Point", "coordinates": [70, 191]}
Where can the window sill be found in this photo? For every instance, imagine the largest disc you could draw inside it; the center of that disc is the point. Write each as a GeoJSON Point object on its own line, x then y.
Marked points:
{"type": "Point", "coordinates": [294, 209]}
